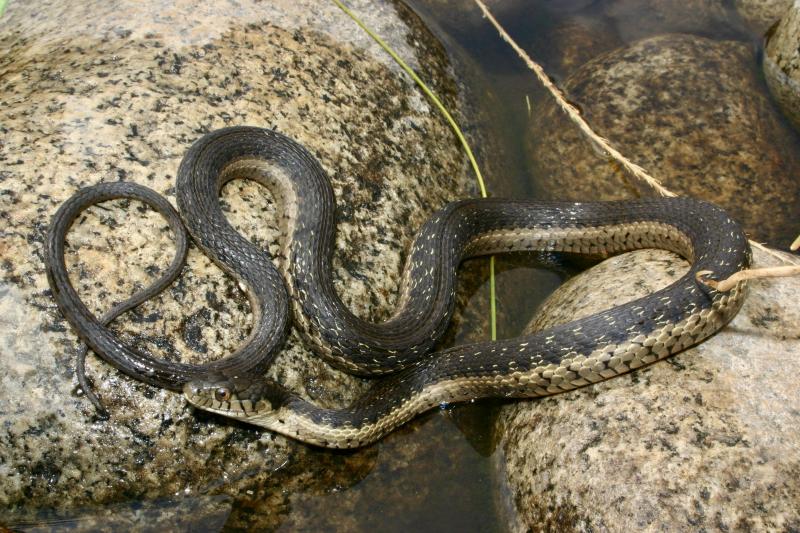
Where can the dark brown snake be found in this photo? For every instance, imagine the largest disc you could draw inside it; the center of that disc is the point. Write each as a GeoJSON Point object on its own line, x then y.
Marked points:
{"type": "Point", "coordinates": [572, 355]}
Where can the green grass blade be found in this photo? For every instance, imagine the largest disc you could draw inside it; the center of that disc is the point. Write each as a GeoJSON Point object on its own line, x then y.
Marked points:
{"type": "Point", "coordinates": [438, 103]}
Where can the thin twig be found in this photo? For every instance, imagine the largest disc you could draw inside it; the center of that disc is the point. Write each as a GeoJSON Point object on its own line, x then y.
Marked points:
{"type": "Point", "coordinates": [727, 284]}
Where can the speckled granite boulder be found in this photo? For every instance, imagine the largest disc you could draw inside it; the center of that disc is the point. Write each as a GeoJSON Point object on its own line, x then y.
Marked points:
{"type": "Point", "coordinates": [706, 440]}
{"type": "Point", "coordinates": [691, 111]}
{"type": "Point", "coordinates": [782, 63]}
{"type": "Point", "coordinates": [101, 91]}
{"type": "Point", "coordinates": [761, 14]}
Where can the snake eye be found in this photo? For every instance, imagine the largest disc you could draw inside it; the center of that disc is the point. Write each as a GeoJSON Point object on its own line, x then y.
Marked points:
{"type": "Point", "coordinates": [222, 394]}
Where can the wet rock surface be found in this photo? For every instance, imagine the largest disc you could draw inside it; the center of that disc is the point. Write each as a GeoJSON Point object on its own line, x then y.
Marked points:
{"type": "Point", "coordinates": [782, 63]}
{"type": "Point", "coordinates": [95, 91]}
{"type": "Point", "coordinates": [704, 440]}
{"type": "Point", "coordinates": [694, 113]}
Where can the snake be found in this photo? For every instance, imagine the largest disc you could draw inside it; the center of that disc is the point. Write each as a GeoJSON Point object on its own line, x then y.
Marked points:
{"type": "Point", "coordinates": [408, 376]}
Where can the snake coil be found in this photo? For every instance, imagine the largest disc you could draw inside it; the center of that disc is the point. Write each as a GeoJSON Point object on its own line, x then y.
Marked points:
{"type": "Point", "coordinates": [571, 355]}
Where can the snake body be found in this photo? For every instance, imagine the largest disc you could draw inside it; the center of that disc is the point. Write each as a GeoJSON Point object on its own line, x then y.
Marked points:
{"type": "Point", "coordinates": [561, 358]}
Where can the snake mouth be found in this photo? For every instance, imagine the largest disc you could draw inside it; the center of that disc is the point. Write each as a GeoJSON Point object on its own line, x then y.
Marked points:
{"type": "Point", "coordinates": [201, 396]}
{"type": "Point", "coordinates": [194, 394]}
{"type": "Point", "coordinates": [218, 399]}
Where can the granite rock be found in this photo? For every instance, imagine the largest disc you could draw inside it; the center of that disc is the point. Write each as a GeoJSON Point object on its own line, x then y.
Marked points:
{"type": "Point", "coordinates": [690, 110]}
{"type": "Point", "coordinates": [704, 440]}
{"type": "Point", "coordinates": [782, 63]}
{"type": "Point", "coordinates": [761, 14]}
{"type": "Point", "coordinates": [102, 91]}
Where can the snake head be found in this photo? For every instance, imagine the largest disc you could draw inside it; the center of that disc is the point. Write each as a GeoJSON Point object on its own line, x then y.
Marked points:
{"type": "Point", "coordinates": [240, 397]}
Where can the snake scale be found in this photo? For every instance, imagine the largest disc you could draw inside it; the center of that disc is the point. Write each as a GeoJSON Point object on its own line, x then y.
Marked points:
{"type": "Point", "coordinates": [412, 379]}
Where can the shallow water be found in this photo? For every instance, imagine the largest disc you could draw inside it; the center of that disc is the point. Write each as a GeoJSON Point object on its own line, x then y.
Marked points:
{"type": "Point", "coordinates": [505, 94]}
{"type": "Point", "coordinates": [437, 473]}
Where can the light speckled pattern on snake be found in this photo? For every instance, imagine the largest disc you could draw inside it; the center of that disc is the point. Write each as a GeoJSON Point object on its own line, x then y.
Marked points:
{"type": "Point", "coordinates": [565, 357]}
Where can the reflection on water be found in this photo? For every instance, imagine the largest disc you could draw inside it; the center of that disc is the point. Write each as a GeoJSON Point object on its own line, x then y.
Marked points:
{"type": "Point", "coordinates": [426, 478]}
{"type": "Point", "coordinates": [204, 513]}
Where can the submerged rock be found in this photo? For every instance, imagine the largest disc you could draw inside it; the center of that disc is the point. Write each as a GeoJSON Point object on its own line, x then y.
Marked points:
{"type": "Point", "coordinates": [761, 14]}
{"type": "Point", "coordinates": [636, 19]}
{"type": "Point", "coordinates": [571, 42]}
{"type": "Point", "coordinates": [782, 63]}
{"type": "Point", "coordinates": [690, 110]}
{"type": "Point", "coordinates": [706, 439]}
{"type": "Point", "coordinates": [99, 91]}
